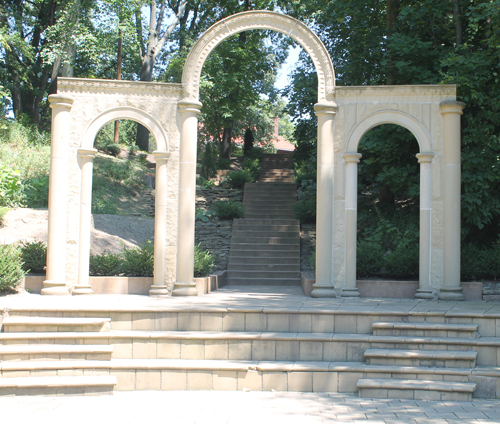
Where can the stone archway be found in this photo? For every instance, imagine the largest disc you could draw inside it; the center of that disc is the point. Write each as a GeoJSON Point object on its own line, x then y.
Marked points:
{"type": "Point", "coordinates": [189, 108]}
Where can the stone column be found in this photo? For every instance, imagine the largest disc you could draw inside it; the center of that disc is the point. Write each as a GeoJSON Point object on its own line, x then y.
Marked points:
{"type": "Point", "coordinates": [55, 283]}
{"type": "Point", "coordinates": [86, 158]}
{"type": "Point", "coordinates": [451, 289]}
{"type": "Point", "coordinates": [351, 217]}
{"type": "Point", "coordinates": [184, 284]}
{"type": "Point", "coordinates": [323, 286]}
{"type": "Point", "coordinates": [159, 287]}
{"type": "Point", "coordinates": [424, 291]}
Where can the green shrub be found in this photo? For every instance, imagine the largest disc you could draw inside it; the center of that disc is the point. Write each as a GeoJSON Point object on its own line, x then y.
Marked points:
{"type": "Point", "coordinates": [139, 261]}
{"type": "Point", "coordinates": [224, 163]}
{"type": "Point", "coordinates": [203, 215]}
{"type": "Point", "coordinates": [3, 212]}
{"type": "Point", "coordinates": [113, 149]}
{"type": "Point", "coordinates": [305, 209]}
{"type": "Point", "coordinates": [254, 153]}
{"type": "Point", "coordinates": [239, 179]}
{"type": "Point", "coordinates": [312, 260]}
{"type": "Point", "coordinates": [369, 259]}
{"type": "Point", "coordinates": [106, 264]}
{"type": "Point", "coordinates": [203, 262]}
{"type": "Point", "coordinates": [37, 192]}
{"type": "Point", "coordinates": [402, 262]}
{"type": "Point", "coordinates": [11, 267]}
{"type": "Point", "coordinates": [11, 188]}
{"type": "Point", "coordinates": [227, 209]}
{"type": "Point", "coordinates": [253, 166]}
{"type": "Point", "coordinates": [492, 262]}
{"type": "Point", "coordinates": [34, 256]}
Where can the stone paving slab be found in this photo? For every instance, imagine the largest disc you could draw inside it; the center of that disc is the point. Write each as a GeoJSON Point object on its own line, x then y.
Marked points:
{"type": "Point", "coordinates": [211, 407]}
{"type": "Point", "coordinates": [266, 298]}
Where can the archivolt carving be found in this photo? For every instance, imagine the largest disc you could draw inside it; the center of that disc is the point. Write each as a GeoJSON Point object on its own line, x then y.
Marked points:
{"type": "Point", "coordinates": [259, 20]}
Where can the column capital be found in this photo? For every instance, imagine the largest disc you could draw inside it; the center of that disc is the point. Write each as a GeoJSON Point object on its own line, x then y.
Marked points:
{"type": "Point", "coordinates": [451, 106]}
{"type": "Point", "coordinates": [351, 157]}
{"type": "Point", "coordinates": [161, 156]}
{"type": "Point", "coordinates": [187, 105]}
{"type": "Point", "coordinates": [87, 153]}
{"type": "Point", "coordinates": [425, 157]}
{"type": "Point", "coordinates": [61, 100]}
{"type": "Point", "coordinates": [328, 108]}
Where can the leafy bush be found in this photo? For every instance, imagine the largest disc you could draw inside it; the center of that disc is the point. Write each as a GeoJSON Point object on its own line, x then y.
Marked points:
{"type": "Point", "coordinates": [11, 188]}
{"type": "Point", "coordinates": [34, 256]}
{"type": "Point", "coordinates": [11, 267]}
{"type": "Point", "coordinates": [203, 262]}
{"type": "Point", "coordinates": [203, 215]}
{"type": "Point", "coordinates": [37, 192]}
{"type": "Point", "coordinates": [369, 259]}
{"type": "Point", "coordinates": [253, 166]}
{"type": "Point", "coordinates": [254, 153]}
{"type": "Point", "coordinates": [227, 209]}
{"type": "Point", "coordinates": [305, 208]}
{"type": "Point", "coordinates": [478, 263]}
{"type": "Point", "coordinates": [312, 260]}
{"type": "Point", "coordinates": [239, 179]}
{"type": "Point", "coordinates": [224, 163]}
{"type": "Point", "coordinates": [402, 262]}
{"type": "Point", "coordinates": [492, 262]}
{"type": "Point", "coordinates": [113, 149]}
{"type": "Point", "coordinates": [139, 261]}
{"type": "Point", "coordinates": [106, 264]}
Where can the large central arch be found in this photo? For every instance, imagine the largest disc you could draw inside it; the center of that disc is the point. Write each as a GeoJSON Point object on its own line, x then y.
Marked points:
{"type": "Point", "coordinates": [190, 106]}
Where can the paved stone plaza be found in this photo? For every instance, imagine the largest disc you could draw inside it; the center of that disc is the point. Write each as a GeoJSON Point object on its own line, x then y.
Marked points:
{"type": "Point", "coordinates": [240, 408]}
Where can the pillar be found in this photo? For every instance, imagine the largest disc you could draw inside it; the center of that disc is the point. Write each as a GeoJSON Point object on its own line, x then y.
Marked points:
{"type": "Point", "coordinates": [159, 287]}
{"type": "Point", "coordinates": [424, 291]}
{"type": "Point", "coordinates": [184, 284]}
{"type": "Point", "coordinates": [55, 283]}
{"type": "Point", "coordinates": [323, 286]}
{"type": "Point", "coordinates": [86, 158]}
{"type": "Point", "coordinates": [451, 289]}
{"type": "Point", "coordinates": [351, 216]}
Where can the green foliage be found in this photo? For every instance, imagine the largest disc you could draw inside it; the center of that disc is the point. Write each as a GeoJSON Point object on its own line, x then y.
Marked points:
{"type": "Point", "coordinates": [369, 259]}
{"type": "Point", "coordinates": [139, 261]}
{"type": "Point", "coordinates": [224, 163]}
{"type": "Point", "coordinates": [113, 149]}
{"type": "Point", "coordinates": [253, 166]}
{"type": "Point", "coordinates": [311, 260]}
{"type": "Point", "coordinates": [11, 267]}
{"type": "Point", "coordinates": [203, 215]}
{"type": "Point", "coordinates": [34, 256]}
{"type": "Point", "coordinates": [208, 166]}
{"type": "Point", "coordinates": [106, 264]}
{"type": "Point", "coordinates": [227, 209]}
{"type": "Point", "coordinates": [37, 192]}
{"type": "Point", "coordinates": [239, 179]}
{"type": "Point", "coordinates": [11, 188]}
{"type": "Point", "coordinates": [305, 208]}
{"type": "Point", "coordinates": [402, 262]}
{"type": "Point", "coordinates": [479, 263]}
{"type": "Point", "coordinates": [203, 262]}
{"type": "Point", "coordinates": [3, 212]}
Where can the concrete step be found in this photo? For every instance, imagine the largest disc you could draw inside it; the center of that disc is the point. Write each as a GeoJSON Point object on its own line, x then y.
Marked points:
{"type": "Point", "coordinates": [250, 266]}
{"type": "Point", "coordinates": [264, 234]}
{"type": "Point", "coordinates": [265, 247]}
{"type": "Point", "coordinates": [15, 369]}
{"type": "Point", "coordinates": [59, 385]}
{"type": "Point", "coordinates": [415, 389]}
{"type": "Point", "coordinates": [274, 179]}
{"type": "Point", "coordinates": [252, 228]}
{"type": "Point", "coordinates": [429, 358]}
{"type": "Point", "coordinates": [263, 274]}
{"type": "Point", "coordinates": [18, 352]}
{"type": "Point", "coordinates": [269, 186]}
{"type": "Point", "coordinates": [261, 201]}
{"type": "Point", "coordinates": [424, 329]}
{"type": "Point", "coordinates": [30, 324]}
{"type": "Point", "coordinates": [240, 238]}
{"type": "Point", "coordinates": [265, 222]}
{"type": "Point", "coordinates": [259, 253]}
{"type": "Point", "coordinates": [253, 261]}
{"type": "Point", "coordinates": [263, 281]}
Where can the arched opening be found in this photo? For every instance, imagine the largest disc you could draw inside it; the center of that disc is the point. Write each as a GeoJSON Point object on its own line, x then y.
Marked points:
{"type": "Point", "coordinates": [123, 185]}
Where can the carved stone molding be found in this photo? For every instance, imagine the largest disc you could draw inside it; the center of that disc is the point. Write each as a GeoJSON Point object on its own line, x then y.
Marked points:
{"type": "Point", "coordinates": [259, 19]}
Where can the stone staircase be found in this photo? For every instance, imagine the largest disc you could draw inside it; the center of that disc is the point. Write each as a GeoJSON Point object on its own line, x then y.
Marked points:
{"type": "Point", "coordinates": [265, 245]}
{"type": "Point", "coordinates": [54, 356]}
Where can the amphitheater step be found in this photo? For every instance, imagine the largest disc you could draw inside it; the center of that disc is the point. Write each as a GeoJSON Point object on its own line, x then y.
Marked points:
{"type": "Point", "coordinates": [431, 358]}
{"type": "Point", "coordinates": [263, 281]}
{"type": "Point", "coordinates": [16, 352]}
{"type": "Point", "coordinates": [286, 260]}
{"type": "Point", "coordinates": [415, 389]}
{"type": "Point", "coordinates": [250, 265]}
{"type": "Point", "coordinates": [30, 324]}
{"type": "Point", "coordinates": [424, 329]}
{"type": "Point", "coordinates": [59, 385]}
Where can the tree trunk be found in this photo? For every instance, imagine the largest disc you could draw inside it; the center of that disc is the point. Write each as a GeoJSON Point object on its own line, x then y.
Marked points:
{"type": "Point", "coordinates": [225, 146]}
{"type": "Point", "coordinates": [142, 138]}
{"type": "Point", "coordinates": [118, 77]}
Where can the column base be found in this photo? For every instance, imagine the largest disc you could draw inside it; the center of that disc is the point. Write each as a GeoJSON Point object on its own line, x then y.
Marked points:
{"type": "Point", "coordinates": [54, 288]}
{"type": "Point", "coordinates": [83, 289]}
{"type": "Point", "coordinates": [185, 289]}
{"type": "Point", "coordinates": [451, 293]}
{"type": "Point", "coordinates": [351, 292]}
{"type": "Point", "coordinates": [159, 291]}
{"type": "Point", "coordinates": [323, 291]}
{"type": "Point", "coordinates": [424, 294]}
